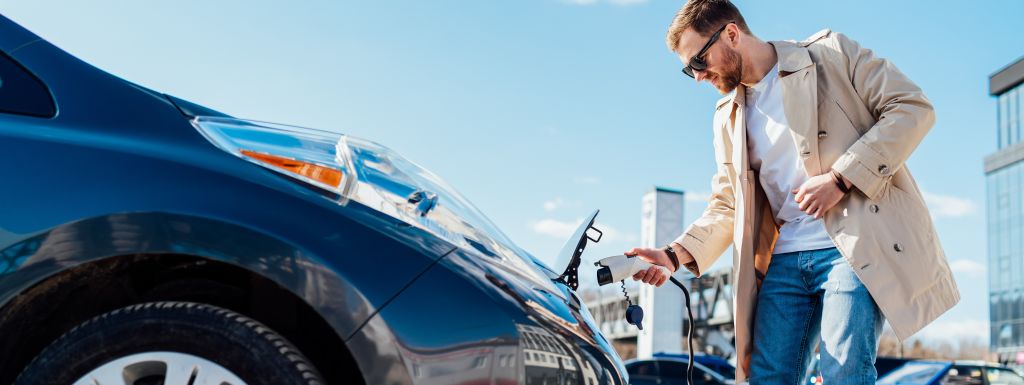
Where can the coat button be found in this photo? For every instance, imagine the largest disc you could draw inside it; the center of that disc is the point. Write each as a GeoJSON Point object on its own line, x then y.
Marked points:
{"type": "Point", "coordinates": [883, 169]}
{"type": "Point", "coordinates": [874, 208]}
{"type": "Point", "coordinates": [822, 134]}
{"type": "Point", "coordinates": [897, 247]}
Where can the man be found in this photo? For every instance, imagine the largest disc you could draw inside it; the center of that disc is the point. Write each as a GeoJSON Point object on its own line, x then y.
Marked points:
{"type": "Point", "coordinates": [829, 231]}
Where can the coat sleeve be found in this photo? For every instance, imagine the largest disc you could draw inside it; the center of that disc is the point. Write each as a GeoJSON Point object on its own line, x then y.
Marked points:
{"type": "Point", "coordinates": [902, 113]}
{"type": "Point", "coordinates": [708, 237]}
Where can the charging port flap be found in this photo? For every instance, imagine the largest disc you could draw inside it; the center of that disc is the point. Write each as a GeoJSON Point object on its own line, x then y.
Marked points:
{"type": "Point", "coordinates": [573, 250]}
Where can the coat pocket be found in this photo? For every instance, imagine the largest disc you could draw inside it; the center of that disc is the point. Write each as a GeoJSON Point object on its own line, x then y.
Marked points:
{"type": "Point", "coordinates": [906, 240]}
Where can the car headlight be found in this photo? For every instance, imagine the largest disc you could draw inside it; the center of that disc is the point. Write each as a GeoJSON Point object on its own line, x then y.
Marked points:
{"type": "Point", "coordinates": [313, 156]}
{"type": "Point", "coordinates": [372, 175]}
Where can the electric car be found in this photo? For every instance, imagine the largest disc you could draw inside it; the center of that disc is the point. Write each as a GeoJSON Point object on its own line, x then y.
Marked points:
{"type": "Point", "coordinates": [717, 364]}
{"type": "Point", "coordinates": [883, 365]}
{"type": "Point", "coordinates": [955, 372]}
{"type": "Point", "coordinates": [145, 239]}
{"type": "Point", "coordinates": [670, 369]}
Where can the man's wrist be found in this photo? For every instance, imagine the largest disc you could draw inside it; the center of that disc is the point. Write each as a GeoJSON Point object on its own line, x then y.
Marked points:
{"type": "Point", "coordinates": [673, 258]}
{"type": "Point", "coordinates": [684, 256]}
{"type": "Point", "coordinates": [840, 181]}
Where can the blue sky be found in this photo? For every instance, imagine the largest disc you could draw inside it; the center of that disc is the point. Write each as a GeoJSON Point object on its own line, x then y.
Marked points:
{"type": "Point", "coordinates": [542, 110]}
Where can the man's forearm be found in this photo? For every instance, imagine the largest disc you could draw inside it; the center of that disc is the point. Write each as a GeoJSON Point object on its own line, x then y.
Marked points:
{"type": "Point", "coordinates": [903, 116]}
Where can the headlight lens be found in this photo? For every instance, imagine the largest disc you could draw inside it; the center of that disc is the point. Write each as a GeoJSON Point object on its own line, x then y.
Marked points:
{"type": "Point", "coordinates": [372, 175]}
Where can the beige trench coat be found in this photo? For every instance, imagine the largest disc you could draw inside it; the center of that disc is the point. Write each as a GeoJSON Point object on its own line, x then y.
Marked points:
{"type": "Point", "coordinates": [854, 112]}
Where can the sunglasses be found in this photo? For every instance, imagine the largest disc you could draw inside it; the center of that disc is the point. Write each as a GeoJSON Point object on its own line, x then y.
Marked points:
{"type": "Point", "coordinates": [697, 62]}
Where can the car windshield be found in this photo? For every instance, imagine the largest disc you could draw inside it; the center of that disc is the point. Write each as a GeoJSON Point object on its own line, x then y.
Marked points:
{"type": "Point", "coordinates": [913, 373]}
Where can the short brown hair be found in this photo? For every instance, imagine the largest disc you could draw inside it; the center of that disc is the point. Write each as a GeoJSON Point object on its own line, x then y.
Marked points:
{"type": "Point", "coordinates": [704, 16]}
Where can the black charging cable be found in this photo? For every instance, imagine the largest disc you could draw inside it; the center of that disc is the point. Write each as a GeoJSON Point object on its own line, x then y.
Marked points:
{"type": "Point", "coordinates": [689, 330]}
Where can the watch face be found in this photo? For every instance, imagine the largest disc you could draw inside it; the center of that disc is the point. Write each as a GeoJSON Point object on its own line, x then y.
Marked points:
{"type": "Point", "coordinates": [672, 256]}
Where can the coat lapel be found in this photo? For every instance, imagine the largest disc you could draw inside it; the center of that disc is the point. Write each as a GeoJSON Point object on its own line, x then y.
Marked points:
{"type": "Point", "coordinates": [739, 130]}
{"type": "Point", "coordinates": [800, 101]}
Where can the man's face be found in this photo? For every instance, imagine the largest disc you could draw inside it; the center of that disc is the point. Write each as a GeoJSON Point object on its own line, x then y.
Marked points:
{"type": "Point", "coordinates": [724, 62]}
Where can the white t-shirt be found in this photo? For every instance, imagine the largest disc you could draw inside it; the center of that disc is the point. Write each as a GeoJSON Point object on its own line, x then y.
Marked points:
{"type": "Point", "coordinates": [772, 151]}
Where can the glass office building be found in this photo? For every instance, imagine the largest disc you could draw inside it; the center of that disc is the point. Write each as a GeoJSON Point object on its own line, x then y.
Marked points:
{"type": "Point", "coordinates": [1004, 174]}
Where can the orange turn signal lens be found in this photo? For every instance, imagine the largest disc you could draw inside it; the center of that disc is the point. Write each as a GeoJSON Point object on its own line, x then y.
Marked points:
{"type": "Point", "coordinates": [326, 175]}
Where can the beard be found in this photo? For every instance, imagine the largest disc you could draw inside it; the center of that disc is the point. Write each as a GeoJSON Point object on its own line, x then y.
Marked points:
{"type": "Point", "coordinates": [732, 71]}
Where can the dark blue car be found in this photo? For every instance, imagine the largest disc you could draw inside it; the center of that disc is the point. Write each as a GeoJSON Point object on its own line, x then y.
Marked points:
{"type": "Point", "coordinates": [717, 364]}
{"type": "Point", "coordinates": [670, 369]}
{"type": "Point", "coordinates": [951, 373]}
{"type": "Point", "coordinates": [148, 240]}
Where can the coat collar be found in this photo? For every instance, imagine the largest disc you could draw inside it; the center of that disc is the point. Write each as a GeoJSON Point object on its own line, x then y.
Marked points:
{"type": "Point", "coordinates": [797, 72]}
{"type": "Point", "coordinates": [792, 57]}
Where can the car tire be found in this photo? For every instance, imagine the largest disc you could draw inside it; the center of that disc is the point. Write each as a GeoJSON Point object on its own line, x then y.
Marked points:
{"type": "Point", "coordinates": [172, 343]}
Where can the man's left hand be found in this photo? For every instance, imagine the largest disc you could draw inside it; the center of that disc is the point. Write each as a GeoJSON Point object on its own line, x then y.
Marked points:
{"type": "Point", "coordinates": [817, 195]}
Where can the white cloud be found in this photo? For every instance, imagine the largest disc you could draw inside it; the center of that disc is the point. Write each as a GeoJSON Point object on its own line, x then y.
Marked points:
{"type": "Point", "coordinates": [612, 234]}
{"type": "Point", "coordinates": [555, 228]}
{"type": "Point", "coordinates": [954, 331]}
{"type": "Point", "coordinates": [558, 203]}
{"type": "Point", "coordinates": [563, 229]}
{"type": "Point", "coordinates": [947, 205]}
{"type": "Point", "coordinates": [968, 267]}
{"type": "Point", "coordinates": [552, 204]}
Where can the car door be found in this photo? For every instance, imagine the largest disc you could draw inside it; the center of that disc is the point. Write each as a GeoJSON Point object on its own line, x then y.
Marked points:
{"type": "Point", "coordinates": [674, 373]}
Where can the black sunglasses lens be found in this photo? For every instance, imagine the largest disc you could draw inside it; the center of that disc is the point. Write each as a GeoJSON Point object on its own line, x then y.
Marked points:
{"type": "Point", "coordinates": [696, 64]}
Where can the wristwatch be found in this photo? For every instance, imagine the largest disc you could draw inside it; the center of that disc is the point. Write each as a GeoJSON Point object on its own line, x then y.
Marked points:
{"type": "Point", "coordinates": [672, 256]}
{"type": "Point", "coordinates": [838, 178]}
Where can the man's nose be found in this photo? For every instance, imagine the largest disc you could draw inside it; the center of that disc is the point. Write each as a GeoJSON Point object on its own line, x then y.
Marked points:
{"type": "Point", "coordinates": [699, 75]}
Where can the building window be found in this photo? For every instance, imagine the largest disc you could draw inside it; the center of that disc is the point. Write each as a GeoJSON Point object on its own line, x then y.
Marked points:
{"type": "Point", "coordinates": [1004, 109]}
{"type": "Point", "coordinates": [1020, 107]}
{"type": "Point", "coordinates": [1014, 115]}
{"type": "Point", "coordinates": [479, 361]}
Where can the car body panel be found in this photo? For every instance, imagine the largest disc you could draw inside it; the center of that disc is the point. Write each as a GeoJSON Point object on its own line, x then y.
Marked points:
{"type": "Point", "coordinates": [120, 171]}
{"type": "Point", "coordinates": [13, 36]}
{"type": "Point", "coordinates": [465, 321]}
{"type": "Point", "coordinates": [118, 155]}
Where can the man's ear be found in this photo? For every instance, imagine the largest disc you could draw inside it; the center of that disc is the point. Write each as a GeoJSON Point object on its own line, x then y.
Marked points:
{"type": "Point", "coordinates": [732, 35]}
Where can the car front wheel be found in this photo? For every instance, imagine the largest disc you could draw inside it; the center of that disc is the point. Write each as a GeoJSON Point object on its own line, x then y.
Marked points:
{"type": "Point", "coordinates": [170, 343]}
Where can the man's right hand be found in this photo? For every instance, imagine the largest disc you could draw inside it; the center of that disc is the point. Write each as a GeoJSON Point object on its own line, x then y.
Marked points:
{"type": "Point", "coordinates": [655, 276]}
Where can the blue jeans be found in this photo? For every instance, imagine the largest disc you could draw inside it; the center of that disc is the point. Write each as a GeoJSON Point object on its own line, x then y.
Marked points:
{"type": "Point", "coordinates": [807, 297]}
